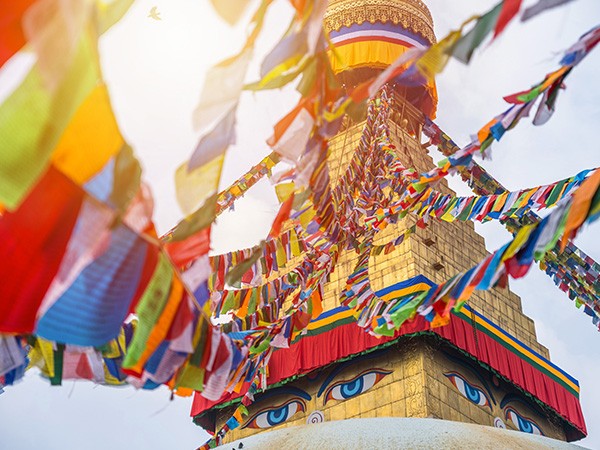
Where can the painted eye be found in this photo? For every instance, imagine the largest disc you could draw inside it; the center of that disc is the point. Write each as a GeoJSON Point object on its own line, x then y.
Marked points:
{"type": "Point", "coordinates": [523, 424]}
{"type": "Point", "coordinates": [472, 393]}
{"type": "Point", "coordinates": [270, 417]}
{"type": "Point", "coordinates": [343, 390]}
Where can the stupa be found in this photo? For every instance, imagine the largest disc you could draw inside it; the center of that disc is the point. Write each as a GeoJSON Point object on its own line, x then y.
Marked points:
{"type": "Point", "coordinates": [484, 367]}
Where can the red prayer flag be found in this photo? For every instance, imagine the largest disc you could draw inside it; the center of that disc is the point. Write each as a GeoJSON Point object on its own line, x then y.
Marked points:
{"type": "Point", "coordinates": [11, 31]}
{"type": "Point", "coordinates": [33, 240]}
{"type": "Point", "coordinates": [183, 252]}
{"type": "Point", "coordinates": [510, 8]}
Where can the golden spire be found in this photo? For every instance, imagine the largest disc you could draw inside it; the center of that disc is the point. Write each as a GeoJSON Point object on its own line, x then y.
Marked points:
{"type": "Point", "coordinates": [413, 15]}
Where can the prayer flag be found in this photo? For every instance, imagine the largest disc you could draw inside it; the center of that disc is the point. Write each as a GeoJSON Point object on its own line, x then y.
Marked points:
{"type": "Point", "coordinates": [33, 240]}
{"type": "Point", "coordinates": [510, 8]}
{"type": "Point", "coordinates": [230, 10]}
{"type": "Point", "coordinates": [215, 142]}
{"type": "Point", "coordinates": [91, 311]}
{"type": "Point", "coordinates": [222, 88]}
{"type": "Point", "coordinates": [541, 6]}
{"type": "Point", "coordinates": [466, 45]}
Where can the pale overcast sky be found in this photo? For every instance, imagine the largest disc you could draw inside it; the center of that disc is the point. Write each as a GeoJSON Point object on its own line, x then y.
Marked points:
{"type": "Point", "coordinates": [155, 70]}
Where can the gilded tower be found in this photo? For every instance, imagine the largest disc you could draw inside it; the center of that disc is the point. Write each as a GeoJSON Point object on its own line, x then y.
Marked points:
{"type": "Point", "coordinates": [484, 367]}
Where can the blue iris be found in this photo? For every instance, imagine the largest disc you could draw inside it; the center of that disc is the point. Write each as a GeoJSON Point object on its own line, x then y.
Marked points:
{"type": "Point", "coordinates": [473, 394]}
{"type": "Point", "coordinates": [277, 416]}
{"type": "Point", "coordinates": [524, 425]}
{"type": "Point", "coordinates": [352, 388]}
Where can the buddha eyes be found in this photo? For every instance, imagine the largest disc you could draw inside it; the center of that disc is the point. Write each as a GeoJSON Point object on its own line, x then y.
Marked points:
{"type": "Point", "coordinates": [523, 424]}
{"type": "Point", "coordinates": [270, 417]}
{"type": "Point", "coordinates": [343, 390]}
{"type": "Point", "coordinates": [470, 392]}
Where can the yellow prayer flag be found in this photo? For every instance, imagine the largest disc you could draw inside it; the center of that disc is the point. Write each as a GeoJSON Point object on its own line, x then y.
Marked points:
{"type": "Point", "coordinates": [435, 59]}
{"type": "Point", "coordinates": [90, 140]}
{"type": "Point", "coordinates": [294, 244]}
{"type": "Point", "coordinates": [280, 254]}
{"type": "Point", "coordinates": [193, 188]}
{"type": "Point", "coordinates": [518, 242]}
{"type": "Point", "coordinates": [284, 190]}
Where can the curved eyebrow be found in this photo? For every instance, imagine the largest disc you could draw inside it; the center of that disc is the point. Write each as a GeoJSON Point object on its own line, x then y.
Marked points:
{"type": "Point", "coordinates": [335, 372]}
{"type": "Point", "coordinates": [514, 398]}
{"type": "Point", "coordinates": [474, 372]}
{"type": "Point", "coordinates": [285, 390]}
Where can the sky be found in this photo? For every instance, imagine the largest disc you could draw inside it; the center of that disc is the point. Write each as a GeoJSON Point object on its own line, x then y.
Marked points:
{"type": "Point", "coordinates": [155, 70]}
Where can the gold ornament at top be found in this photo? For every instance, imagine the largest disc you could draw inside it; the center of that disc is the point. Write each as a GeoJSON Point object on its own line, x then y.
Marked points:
{"type": "Point", "coordinates": [410, 14]}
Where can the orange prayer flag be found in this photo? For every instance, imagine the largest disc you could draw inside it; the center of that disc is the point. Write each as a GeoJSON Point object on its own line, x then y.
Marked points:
{"type": "Point", "coordinates": [440, 321]}
{"type": "Point", "coordinates": [282, 216]}
{"type": "Point", "coordinates": [582, 200]}
{"type": "Point", "coordinates": [485, 130]}
{"type": "Point", "coordinates": [317, 304]}
{"type": "Point", "coordinates": [299, 6]}
{"type": "Point", "coordinates": [243, 311]}
{"type": "Point", "coordinates": [284, 124]}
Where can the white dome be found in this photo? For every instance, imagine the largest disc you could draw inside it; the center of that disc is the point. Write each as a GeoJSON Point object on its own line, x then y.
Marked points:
{"type": "Point", "coordinates": [395, 433]}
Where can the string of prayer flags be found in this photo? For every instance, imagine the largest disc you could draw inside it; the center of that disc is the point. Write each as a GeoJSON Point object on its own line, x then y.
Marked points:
{"type": "Point", "coordinates": [514, 259]}
{"type": "Point", "coordinates": [571, 269]}
{"type": "Point", "coordinates": [278, 251]}
{"type": "Point", "coordinates": [523, 102]}
{"type": "Point", "coordinates": [13, 360]}
{"type": "Point", "coordinates": [85, 223]}
{"type": "Point", "coordinates": [53, 90]}
{"type": "Point", "coordinates": [238, 188]}
{"type": "Point", "coordinates": [235, 274]}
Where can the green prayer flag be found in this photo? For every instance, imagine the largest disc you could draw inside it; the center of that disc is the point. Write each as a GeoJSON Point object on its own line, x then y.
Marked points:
{"type": "Point", "coordinates": [201, 345]}
{"type": "Point", "coordinates": [127, 176]}
{"type": "Point", "coordinates": [191, 377]}
{"type": "Point", "coordinates": [556, 192]}
{"type": "Point", "coordinates": [34, 118]}
{"type": "Point", "coordinates": [235, 274]}
{"type": "Point", "coordinates": [196, 221]}
{"type": "Point", "coordinates": [466, 45]}
{"type": "Point", "coordinates": [407, 310]}
{"type": "Point", "coordinates": [383, 330]}
{"type": "Point", "coordinates": [56, 379]}
{"type": "Point", "coordinates": [149, 309]}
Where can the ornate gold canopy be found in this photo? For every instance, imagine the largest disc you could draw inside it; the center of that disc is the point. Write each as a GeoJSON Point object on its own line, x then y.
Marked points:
{"type": "Point", "coordinates": [412, 15]}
